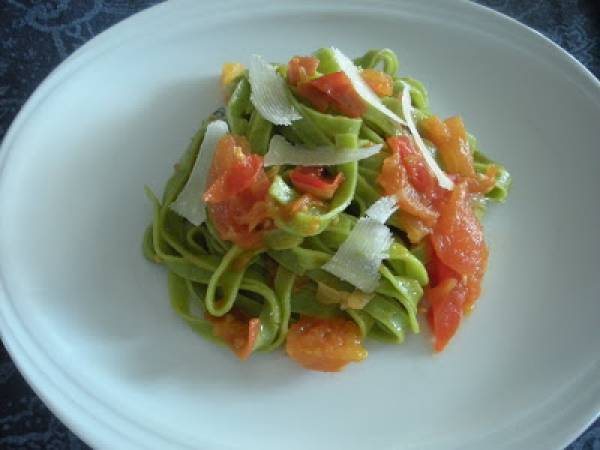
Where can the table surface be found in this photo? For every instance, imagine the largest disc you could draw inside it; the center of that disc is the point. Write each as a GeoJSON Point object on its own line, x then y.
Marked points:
{"type": "Point", "coordinates": [35, 36]}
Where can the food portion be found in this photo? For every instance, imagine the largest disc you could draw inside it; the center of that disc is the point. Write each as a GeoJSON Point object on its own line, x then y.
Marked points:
{"type": "Point", "coordinates": [324, 206]}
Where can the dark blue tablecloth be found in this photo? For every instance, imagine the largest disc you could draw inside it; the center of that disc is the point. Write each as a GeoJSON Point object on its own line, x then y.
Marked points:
{"type": "Point", "coordinates": [36, 35]}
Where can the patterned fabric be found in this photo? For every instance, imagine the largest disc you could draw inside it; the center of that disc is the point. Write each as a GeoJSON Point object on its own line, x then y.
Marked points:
{"type": "Point", "coordinates": [36, 35]}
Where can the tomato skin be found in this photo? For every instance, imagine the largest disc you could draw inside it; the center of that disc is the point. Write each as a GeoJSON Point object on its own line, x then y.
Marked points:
{"type": "Point", "coordinates": [450, 139]}
{"type": "Point", "coordinates": [233, 169]}
{"type": "Point", "coordinates": [400, 172]}
{"type": "Point", "coordinates": [457, 262]}
{"type": "Point", "coordinates": [244, 218]}
{"type": "Point", "coordinates": [445, 311]}
{"type": "Point", "coordinates": [301, 204]}
{"type": "Point", "coordinates": [379, 82]}
{"type": "Point", "coordinates": [234, 180]}
{"type": "Point", "coordinates": [483, 183]}
{"type": "Point", "coordinates": [237, 193]}
{"type": "Point", "coordinates": [333, 90]}
{"type": "Point", "coordinates": [473, 290]}
{"type": "Point", "coordinates": [314, 96]}
{"type": "Point", "coordinates": [419, 174]}
{"type": "Point", "coordinates": [446, 295]}
{"type": "Point", "coordinates": [436, 269]}
{"type": "Point", "coordinates": [301, 69]}
{"type": "Point", "coordinates": [230, 149]}
{"type": "Point", "coordinates": [239, 334]}
{"type": "Point", "coordinates": [312, 180]}
{"type": "Point", "coordinates": [326, 345]}
{"type": "Point", "coordinates": [434, 129]}
{"type": "Point", "coordinates": [414, 227]}
{"type": "Point", "coordinates": [450, 296]}
{"type": "Point", "coordinates": [457, 237]}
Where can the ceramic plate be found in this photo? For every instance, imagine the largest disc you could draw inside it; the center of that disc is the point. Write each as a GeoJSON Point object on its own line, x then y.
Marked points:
{"type": "Point", "coordinates": [88, 321]}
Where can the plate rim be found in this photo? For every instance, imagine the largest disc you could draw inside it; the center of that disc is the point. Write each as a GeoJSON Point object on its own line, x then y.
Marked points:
{"type": "Point", "coordinates": [91, 428]}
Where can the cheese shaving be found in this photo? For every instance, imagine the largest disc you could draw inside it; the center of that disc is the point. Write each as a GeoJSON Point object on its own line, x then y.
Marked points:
{"type": "Point", "coordinates": [282, 152]}
{"type": "Point", "coordinates": [358, 259]}
{"type": "Point", "coordinates": [443, 180]}
{"type": "Point", "coordinates": [189, 203]}
{"type": "Point", "coordinates": [269, 93]}
{"type": "Point", "coordinates": [383, 208]}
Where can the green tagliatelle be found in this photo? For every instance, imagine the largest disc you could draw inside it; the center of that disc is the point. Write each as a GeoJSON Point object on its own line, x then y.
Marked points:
{"type": "Point", "coordinates": [278, 282]}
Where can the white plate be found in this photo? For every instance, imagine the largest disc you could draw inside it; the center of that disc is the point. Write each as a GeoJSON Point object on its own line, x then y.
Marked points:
{"type": "Point", "coordinates": [88, 322]}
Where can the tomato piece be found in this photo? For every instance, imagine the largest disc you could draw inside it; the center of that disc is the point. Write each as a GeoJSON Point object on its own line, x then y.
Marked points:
{"type": "Point", "coordinates": [380, 82]}
{"type": "Point", "coordinates": [458, 153]}
{"type": "Point", "coordinates": [450, 139]}
{"type": "Point", "coordinates": [230, 71]}
{"type": "Point", "coordinates": [239, 334]}
{"type": "Point", "coordinates": [301, 69]}
{"type": "Point", "coordinates": [438, 272]}
{"type": "Point", "coordinates": [414, 228]}
{"type": "Point", "coordinates": [233, 169]}
{"type": "Point", "coordinates": [473, 287]}
{"type": "Point", "coordinates": [335, 90]}
{"type": "Point", "coordinates": [483, 183]}
{"type": "Point", "coordinates": [234, 180]}
{"type": "Point", "coordinates": [436, 269]}
{"type": "Point", "coordinates": [312, 180]}
{"type": "Point", "coordinates": [230, 148]}
{"type": "Point", "coordinates": [301, 204]}
{"type": "Point", "coordinates": [315, 97]}
{"type": "Point", "coordinates": [326, 345]}
{"type": "Point", "coordinates": [419, 174]}
{"type": "Point", "coordinates": [237, 196]}
{"type": "Point", "coordinates": [450, 295]}
{"type": "Point", "coordinates": [434, 129]}
{"type": "Point", "coordinates": [446, 311]}
{"type": "Point", "coordinates": [395, 179]}
{"type": "Point", "coordinates": [457, 237]}
{"type": "Point", "coordinates": [255, 216]}
{"type": "Point", "coordinates": [244, 218]}
{"type": "Point", "coordinates": [457, 262]}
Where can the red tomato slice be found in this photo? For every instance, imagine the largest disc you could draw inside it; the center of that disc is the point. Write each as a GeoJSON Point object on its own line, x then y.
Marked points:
{"type": "Point", "coordinates": [473, 287]}
{"type": "Point", "coordinates": [230, 149]}
{"type": "Point", "coordinates": [483, 183]}
{"type": "Point", "coordinates": [335, 90]}
{"type": "Point", "coordinates": [315, 97]}
{"type": "Point", "coordinates": [237, 194]}
{"type": "Point", "coordinates": [450, 139]}
{"type": "Point", "coordinates": [418, 171]}
{"type": "Point", "coordinates": [301, 69]}
{"type": "Point", "coordinates": [396, 179]}
{"type": "Point", "coordinates": [458, 236]}
{"type": "Point", "coordinates": [234, 180]}
{"type": "Point", "coordinates": [239, 334]}
{"type": "Point", "coordinates": [450, 296]}
{"type": "Point", "coordinates": [326, 345]}
{"type": "Point", "coordinates": [312, 180]}
{"type": "Point", "coordinates": [380, 82]}
{"type": "Point", "coordinates": [436, 269]}
{"type": "Point", "coordinates": [244, 218]}
{"type": "Point", "coordinates": [233, 170]}
{"type": "Point", "coordinates": [414, 227]}
{"type": "Point", "coordinates": [445, 312]}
